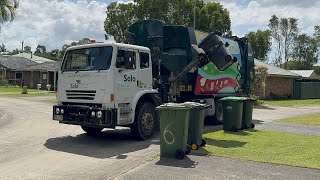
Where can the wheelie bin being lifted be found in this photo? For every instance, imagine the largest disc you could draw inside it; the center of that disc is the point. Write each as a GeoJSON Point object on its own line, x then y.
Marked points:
{"type": "Point", "coordinates": [174, 124]}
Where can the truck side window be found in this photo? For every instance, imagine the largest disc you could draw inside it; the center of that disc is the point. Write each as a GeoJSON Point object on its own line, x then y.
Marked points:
{"type": "Point", "coordinates": [144, 60]}
{"type": "Point", "coordinates": [126, 59]}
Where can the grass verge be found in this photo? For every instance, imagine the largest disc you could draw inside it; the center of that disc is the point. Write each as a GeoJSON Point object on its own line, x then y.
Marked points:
{"type": "Point", "coordinates": [294, 103]}
{"type": "Point", "coordinates": [53, 100]}
{"type": "Point", "coordinates": [17, 89]}
{"type": "Point", "coordinates": [308, 120]}
{"type": "Point", "coordinates": [265, 146]}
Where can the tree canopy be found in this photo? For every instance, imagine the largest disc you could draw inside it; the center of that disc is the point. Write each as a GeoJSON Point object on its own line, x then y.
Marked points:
{"type": "Point", "coordinates": [8, 10]}
{"type": "Point", "coordinates": [209, 16]}
{"type": "Point", "coordinates": [260, 42]}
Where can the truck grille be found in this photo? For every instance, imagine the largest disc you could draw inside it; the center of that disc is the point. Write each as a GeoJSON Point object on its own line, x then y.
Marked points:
{"type": "Point", "coordinates": [81, 94]}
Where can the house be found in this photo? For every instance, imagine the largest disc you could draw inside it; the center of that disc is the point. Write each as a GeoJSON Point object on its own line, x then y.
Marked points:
{"type": "Point", "coordinates": [306, 74]}
{"type": "Point", "coordinates": [44, 73]}
{"type": "Point", "coordinates": [33, 57]}
{"type": "Point", "coordinates": [279, 82]}
{"type": "Point", "coordinates": [8, 66]}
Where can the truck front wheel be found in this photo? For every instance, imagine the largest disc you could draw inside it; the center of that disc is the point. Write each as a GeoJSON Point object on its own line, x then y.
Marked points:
{"type": "Point", "coordinates": [91, 130]}
{"type": "Point", "coordinates": [145, 122]}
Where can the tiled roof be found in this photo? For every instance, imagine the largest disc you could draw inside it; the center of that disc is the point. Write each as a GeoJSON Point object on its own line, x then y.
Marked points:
{"type": "Point", "coordinates": [46, 66]}
{"type": "Point", "coordinates": [32, 57]}
{"type": "Point", "coordinates": [303, 73]}
{"type": "Point", "coordinates": [11, 62]}
{"type": "Point", "coordinates": [276, 71]}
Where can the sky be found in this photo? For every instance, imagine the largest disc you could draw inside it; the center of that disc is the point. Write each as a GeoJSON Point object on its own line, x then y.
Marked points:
{"type": "Point", "coordinates": [54, 23]}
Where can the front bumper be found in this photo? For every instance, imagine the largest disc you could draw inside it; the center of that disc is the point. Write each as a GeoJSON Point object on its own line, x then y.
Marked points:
{"type": "Point", "coordinates": [81, 115]}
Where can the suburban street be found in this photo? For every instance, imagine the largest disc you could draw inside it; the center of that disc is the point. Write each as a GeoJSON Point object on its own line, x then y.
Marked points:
{"type": "Point", "coordinates": [32, 146]}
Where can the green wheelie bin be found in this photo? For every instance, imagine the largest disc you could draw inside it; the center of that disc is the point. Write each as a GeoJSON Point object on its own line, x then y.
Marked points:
{"type": "Point", "coordinates": [174, 124]}
{"type": "Point", "coordinates": [196, 123]}
{"type": "Point", "coordinates": [232, 113]}
{"type": "Point", "coordinates": [247, 113]}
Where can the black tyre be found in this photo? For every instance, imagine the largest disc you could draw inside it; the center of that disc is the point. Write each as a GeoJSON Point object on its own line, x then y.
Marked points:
{"type": "Point", "coordinates": [188, 149]}
{"type": "Point", "coordinates": [91, 130]}
{"type": "Point", "coordinates": [145, 122]}
{"type": "Point", "coordinates": [218, 115]}
{"type": "Point", "coordinates": [203, 142]}
{"type": "Point", "coordinates": [180, 154]}
{"type": "Point", "coordinates": [253, 125]}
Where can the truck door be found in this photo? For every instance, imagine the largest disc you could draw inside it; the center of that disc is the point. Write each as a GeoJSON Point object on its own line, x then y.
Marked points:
{"type": "Point", "coordinates": [126, 75]}
{"type": "Point", "coordinates": [145, 72]}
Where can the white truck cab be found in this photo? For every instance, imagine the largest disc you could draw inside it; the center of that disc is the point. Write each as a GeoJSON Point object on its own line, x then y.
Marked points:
{"type": "Point", "coordinates": [103, 85]}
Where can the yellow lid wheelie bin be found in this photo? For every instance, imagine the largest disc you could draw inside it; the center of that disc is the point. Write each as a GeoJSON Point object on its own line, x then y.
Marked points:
{"type": "Point", "coordinates": [174, 124]}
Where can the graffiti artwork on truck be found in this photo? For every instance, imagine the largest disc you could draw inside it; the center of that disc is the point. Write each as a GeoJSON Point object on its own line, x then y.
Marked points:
{"type": "Point", "coordinates": [211, 80]}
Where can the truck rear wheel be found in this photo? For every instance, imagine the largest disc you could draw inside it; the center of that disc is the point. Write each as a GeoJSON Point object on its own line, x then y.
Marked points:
{"type": "Point", "coordinates": [218, 115]}
{"type": "Point", "coordinates": [91, 130]}
{"type": "Point", "coordinates": [145, 122]}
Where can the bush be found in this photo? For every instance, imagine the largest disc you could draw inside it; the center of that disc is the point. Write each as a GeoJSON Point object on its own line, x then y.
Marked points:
{"type": "Point", "coordinates": [273, 96]}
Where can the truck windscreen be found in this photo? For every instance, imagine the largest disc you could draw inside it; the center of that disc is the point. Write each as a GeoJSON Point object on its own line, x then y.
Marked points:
{"type": "Point", "coordinates": [88, 59]}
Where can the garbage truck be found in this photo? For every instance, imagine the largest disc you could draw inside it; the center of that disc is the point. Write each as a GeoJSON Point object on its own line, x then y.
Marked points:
{"type": "Point", "coordinates": [104, 85]}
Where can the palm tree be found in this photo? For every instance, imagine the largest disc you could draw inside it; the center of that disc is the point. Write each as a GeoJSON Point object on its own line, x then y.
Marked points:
{"type": "Point", "coordinates": [8, 10]}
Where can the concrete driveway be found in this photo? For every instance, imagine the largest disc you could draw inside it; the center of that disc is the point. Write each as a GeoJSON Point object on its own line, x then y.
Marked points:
{"type": "Point", "coordinates": [32, 146]}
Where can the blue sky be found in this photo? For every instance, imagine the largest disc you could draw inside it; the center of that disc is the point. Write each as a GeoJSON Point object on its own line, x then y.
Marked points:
{"type": "Point", "coordinates": [56, 22]}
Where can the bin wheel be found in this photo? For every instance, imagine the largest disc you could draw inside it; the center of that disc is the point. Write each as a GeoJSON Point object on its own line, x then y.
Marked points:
{"type": "Point", "coordinates": [194, 146]}
{"type": "Point", "coordinates": [203, 142]}
{"type": "Point", "coordinates": [180, 154]}
{"type": "Point", "coordinates": [188, 149]}
{"type": "Point", "coordinates": [253, 125]}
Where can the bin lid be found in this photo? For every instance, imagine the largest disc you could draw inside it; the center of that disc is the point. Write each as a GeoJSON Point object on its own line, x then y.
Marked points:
{"type": "Point", "coordinates": [195, 105]}
{"type": "Point", "coordinates": [173, 106]}
{"type": "Point", "coordinates": [233, 98]}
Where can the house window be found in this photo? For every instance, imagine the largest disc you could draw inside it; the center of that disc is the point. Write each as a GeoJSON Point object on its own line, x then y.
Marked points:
{"type": "Point", "coordinates": [18, 75]}
{"type": "Point", "coordinates": [44, 76]}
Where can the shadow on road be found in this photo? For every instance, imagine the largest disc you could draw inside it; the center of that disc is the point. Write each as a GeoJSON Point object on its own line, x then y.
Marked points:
{"type": "Point", "coordinates": [257, 122]}
{"type": "Point", "coordinates": [108, 144]}
{"type": "Point", "coordinates": [183, 163]}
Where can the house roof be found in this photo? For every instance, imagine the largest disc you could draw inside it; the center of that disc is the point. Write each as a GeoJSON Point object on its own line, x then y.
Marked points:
{"type": "Point", "coordinates": [32, 57]}
{"type": "Point", "coordinates": [10, 62]}
{"type": "Point", "coordinates": [304, 73]}
{"type": "Point", "coordinates": [276, 71]}
{"type": "Point", "coordinates": [46, 66]}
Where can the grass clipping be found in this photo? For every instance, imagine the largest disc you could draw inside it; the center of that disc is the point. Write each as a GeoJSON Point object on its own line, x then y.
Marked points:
{"type": "Point", "coordinates": [265, 146]}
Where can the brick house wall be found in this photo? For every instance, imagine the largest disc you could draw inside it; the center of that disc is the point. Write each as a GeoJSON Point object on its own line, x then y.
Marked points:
{"type": "Point", "coordinates": [279, 85]}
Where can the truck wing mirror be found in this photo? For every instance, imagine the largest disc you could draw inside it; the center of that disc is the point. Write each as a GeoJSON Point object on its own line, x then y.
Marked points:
{"type": "Point", "coordinates": [217, 52]}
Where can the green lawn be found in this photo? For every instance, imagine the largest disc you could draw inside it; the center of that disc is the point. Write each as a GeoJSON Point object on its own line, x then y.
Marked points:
{"type": "Point", "coordinates": [53, 100]}
{"type": "Point", "coordinates": [308, 120]}
{"type": "Point", "coordinates": [30, 95]}
{"type": "Point", "coordinates": [294, 103]}
{"type": "Point", "coordinates": [17, 89]}
{"type": "Point", "coordinates": [265, 146]}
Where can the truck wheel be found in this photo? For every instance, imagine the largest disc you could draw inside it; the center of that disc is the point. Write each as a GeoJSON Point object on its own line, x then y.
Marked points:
{"type": "Point", "coordinates": [218, 116]}
{"type": "Point", "coordinates": [145, 122]}
{"type": "Point", "coordinates": [91, 130]}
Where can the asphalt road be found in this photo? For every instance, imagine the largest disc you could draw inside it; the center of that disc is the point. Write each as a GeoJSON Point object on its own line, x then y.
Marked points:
{"type": "Point", "coordinates": [32, 146]}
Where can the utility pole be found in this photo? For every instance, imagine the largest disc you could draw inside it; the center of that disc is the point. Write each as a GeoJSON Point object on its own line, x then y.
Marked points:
{"type": "Point", "coordinates": [22, 46]}
{"type": "Point", "coordinates": [194, 15]}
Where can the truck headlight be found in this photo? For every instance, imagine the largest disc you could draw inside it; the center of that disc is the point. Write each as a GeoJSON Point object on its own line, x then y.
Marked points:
{"type": "Point", "coordinates": [57, 111]}
{"type": "Point", "coordinates": [99, 114]}
{"type": "Point", "coordinates": [93, 114]}
{"type": "Point", "coordinates": [61, 111]}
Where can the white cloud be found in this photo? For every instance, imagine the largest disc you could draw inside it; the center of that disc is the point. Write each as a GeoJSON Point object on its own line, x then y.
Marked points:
{"type": "Point", "coordinates": [54, 23]}
{"type": "Point", "coordinates": [256, 14]}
